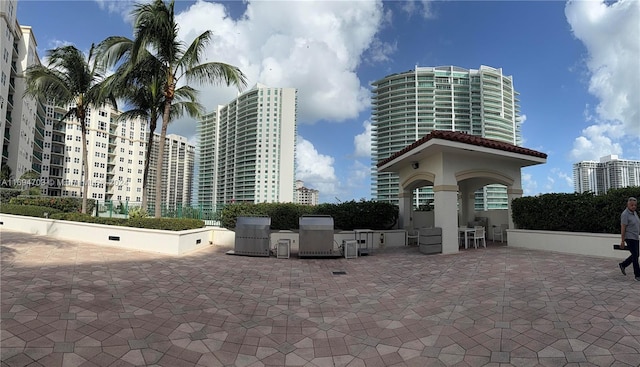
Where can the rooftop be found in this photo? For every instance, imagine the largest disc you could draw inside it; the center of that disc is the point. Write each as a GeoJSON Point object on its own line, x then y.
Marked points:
{"type": "Point", "coordinates": [74, 304]}
{"type": "Point", "coordinates": [459, 137]}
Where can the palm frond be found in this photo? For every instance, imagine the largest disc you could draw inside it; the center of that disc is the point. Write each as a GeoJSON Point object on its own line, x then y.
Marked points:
{"type": "Point", "coordinates": [45, 83]}
{"type": "Point", "coordinates": [191, 109]}
{"type": "Point", "coordinates": [216, 73]}
{"type": "Point", "coordinates": [193, 53]}
{"type": "Point", "coordinates": [114, 49]}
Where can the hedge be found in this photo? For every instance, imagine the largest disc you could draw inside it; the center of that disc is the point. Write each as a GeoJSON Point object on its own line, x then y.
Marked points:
{"type": "Point", "coordinates": [28, 210]}
{"type": "Point", "coordinates": [575, 212]}
{"type": "Point", "coordinates": [6, 194]}
{"type": "Point", "coordinates": [167, 224]}
{"type": "Point", "coordinates": [64, 204]}
{"type": "Point", "coordinates": [346, 216]}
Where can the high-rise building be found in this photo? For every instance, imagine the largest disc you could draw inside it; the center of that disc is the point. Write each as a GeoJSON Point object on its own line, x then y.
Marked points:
{"type": "Point", "coordinates": [22, 117]}
{"type": "Point", "coordinates": [177, 171]}
{"type": "Point", "coordinates": [247, 149]}
{"type": "Point", "coordinates": [305, 195]}
{"type": "Point", "coordinates": [609, 173]}
{"type": "Point", "coordinates": [35, 139]}
{"type": "Point", "coordinates": [407, 106]}
{"type": "Point", "coordinates": [115, 155]}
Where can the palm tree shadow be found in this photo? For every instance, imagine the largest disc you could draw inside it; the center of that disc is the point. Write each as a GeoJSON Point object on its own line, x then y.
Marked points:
{"type": "Point", "coordinates": [11, 244]}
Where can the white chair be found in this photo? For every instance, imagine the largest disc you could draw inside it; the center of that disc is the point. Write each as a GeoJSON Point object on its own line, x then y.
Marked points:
{"type": "Point", "coordinates": [413, 234]}
{"type": "Point", "coordinates": [500, 232]}
{"type": "Point", "coordinates": [478, 236]}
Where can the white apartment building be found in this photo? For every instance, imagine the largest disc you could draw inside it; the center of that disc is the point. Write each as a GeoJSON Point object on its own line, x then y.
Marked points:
{"type": "Point", "coordinates": [8, 66]}
{"type": "Point", "coordinates": [177, 172]}
{"type": "Point", "coordinates": [22, 118]}
{"type": "Point", "coordinates": [306, 196]}
{"type": "Point", "coordinates": [407, 106]}
{"type": "Point", "coordinates": [610, 172]}
{"type": "Point", "coordinates": [115, 153]}
{"type": "Point", "coordinates": [247, 149]}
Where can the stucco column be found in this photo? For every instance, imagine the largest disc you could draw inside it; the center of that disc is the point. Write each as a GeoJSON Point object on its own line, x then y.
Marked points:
{"type": "Point", "coordinates": [405, 209]}
{"type": "Point", "coordinates": [446, 216]}
{"type": "Point", "coordinates": [512, 193]}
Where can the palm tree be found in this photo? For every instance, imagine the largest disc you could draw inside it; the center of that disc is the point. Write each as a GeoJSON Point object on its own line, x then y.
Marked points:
{"type": "Point", "coordinates": [74, 81]}
{"type": "Point", "coordinates": [140, 86]}
{"type": "Point", "coordinates": [156, 33]}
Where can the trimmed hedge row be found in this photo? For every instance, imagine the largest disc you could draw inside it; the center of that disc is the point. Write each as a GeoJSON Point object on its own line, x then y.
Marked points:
{"type": "Point", "coordinates": [346, 216]}
{"type": "Point", "coordinates": [28, 210]}
{"type": "Point", "coordinates": [168, 224]}
{"type": "Point", "coordinates": [575, 212]}
{"type": "Point", "coordinates": [64, 204]}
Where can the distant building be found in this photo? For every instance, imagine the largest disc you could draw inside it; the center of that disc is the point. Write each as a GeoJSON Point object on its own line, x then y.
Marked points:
{"type": "Point", "coordinates": [177, 171]}
{"type": "Point", "coordinates": [408, 105]}
{"type": "Point", "coordinates": [247, 149]}
{"type": "Point", "coordinates": [306, 196]}
{"type": "Point", "coordinates": [609, 173]}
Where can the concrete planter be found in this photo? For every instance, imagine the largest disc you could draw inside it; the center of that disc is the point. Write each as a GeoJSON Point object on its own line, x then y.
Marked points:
{"type": "Point", "coordinates": [580, 243]}
{"type": "Point", "coordinates": [151, 240]}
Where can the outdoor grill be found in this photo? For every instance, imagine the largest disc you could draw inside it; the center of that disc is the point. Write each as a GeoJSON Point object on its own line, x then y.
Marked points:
{"type": "Point", "coordinates": [252, 236]}
{"type": "Point", "coordinates": [316, 236]}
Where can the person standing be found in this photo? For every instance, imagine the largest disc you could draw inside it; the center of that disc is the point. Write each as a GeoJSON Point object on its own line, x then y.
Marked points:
{"type": "Point", "coordinates": [630, 235]}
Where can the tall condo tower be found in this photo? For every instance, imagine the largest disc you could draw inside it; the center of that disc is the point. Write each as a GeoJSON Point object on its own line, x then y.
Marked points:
{"type": "Point", "coordinates": [177, 172]}
{"type": "Point", "coordinates": [247, 149]}
{"type": "Point", "coordinates": [609, 173]}
{"type": "Point", "coordinates": [406, 106]}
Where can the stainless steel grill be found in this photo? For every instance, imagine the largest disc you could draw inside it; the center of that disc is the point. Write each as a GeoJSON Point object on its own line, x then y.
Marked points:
{"type": "Point", "coordinates": [253, 236]}
{"type": "Point", "coordinates": [316, 236]}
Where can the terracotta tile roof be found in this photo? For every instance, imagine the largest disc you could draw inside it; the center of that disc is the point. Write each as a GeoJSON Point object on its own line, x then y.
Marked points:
{"type": "Point", "coordinates": [467, 139]}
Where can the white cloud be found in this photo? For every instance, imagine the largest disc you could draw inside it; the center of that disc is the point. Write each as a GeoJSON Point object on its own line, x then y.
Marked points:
{"type": "Point", "coordinates": [359, 179]}
{"type": "Point", "coordinates": [315, 169]}
{"type": "Point", "coordinates": [122, 7]}
{"type": "Point", "coordinates": [596, 142]}
{"type": "Point", "coordinates": [529, 185]}
{"type": "Point", "coordinates": [423, 7]}
{"type": "Point", "coordinates": [362, 141]}
{"type": "Point", "coordinates": [610, 33]}
{"type": "Point", "coordinates": [312, 46]}
{"type": "Point", "coordinates": [563, 177]}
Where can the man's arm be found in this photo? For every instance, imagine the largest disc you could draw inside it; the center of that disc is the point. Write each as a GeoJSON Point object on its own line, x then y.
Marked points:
{"type": "Point", "coordinates": [623, 229]}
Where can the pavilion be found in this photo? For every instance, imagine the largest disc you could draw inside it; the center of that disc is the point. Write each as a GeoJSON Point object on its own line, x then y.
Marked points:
{"type": "Point", "coordinates": [457, 164]}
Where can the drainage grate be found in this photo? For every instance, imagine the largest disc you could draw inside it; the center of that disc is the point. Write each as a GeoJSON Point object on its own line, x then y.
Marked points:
{"type": "Point", "coordinates": [339, 272]}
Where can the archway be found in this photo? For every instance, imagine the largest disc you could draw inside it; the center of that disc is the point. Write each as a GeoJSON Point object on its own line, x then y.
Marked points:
{"type": "Point", "coordinates": [455, 162]}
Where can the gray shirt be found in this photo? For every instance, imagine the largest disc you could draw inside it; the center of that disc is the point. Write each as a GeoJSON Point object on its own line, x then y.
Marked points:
{"type": "Point", "coordinates": [631, 220]}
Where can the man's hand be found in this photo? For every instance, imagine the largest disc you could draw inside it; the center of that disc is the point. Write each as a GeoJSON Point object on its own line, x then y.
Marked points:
{"type": "Point", "coordinates": [622, 245]}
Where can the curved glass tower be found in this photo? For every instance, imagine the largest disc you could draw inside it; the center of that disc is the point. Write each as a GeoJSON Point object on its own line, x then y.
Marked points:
{"type": "Point", "coordinates": [407, 106]}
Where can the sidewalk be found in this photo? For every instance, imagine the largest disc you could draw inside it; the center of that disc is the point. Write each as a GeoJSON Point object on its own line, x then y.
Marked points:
{"type": "Point", "coordinates": [68, 304]}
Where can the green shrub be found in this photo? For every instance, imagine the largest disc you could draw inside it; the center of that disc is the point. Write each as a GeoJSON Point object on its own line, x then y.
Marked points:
{"type": "Point", "coordinates": [286, 216]}
{"type": "Point", "coordinates": [168, 224]}
{"type": "Point", "coordinates": [64, 204]}
{"type": "Point", "coordinates": [138, 212]}
{"type": "Point", "coordinates": [28, 210]}
{"type": "Point", "coordinates": [575, 212]}
{"type": "Point", "coordinates": [6, 194]}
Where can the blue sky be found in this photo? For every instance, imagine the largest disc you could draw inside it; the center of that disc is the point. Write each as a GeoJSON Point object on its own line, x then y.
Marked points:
{"type": "Point", "coordinates": [575, 64]}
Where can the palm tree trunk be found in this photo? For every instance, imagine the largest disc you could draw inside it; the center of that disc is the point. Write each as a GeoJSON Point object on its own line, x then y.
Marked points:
{"type": "Point", "coordinates": [160, 158]}
{"type": "Point", "coordinates": [147, 157]}
{"type": "Point", "coordinates": [85, 168]}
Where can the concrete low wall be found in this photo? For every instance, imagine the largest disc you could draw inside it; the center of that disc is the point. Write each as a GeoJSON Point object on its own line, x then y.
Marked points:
{"type": "Point", "coordinates": [167, 242]}
{"type": "Point", "coordinates": [580, 243]}
{"type": "Point", "coordinates": [151, 240]}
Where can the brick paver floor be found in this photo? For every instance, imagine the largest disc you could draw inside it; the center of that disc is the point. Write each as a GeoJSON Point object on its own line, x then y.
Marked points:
{"type": "Point", "coordinates": [69, 304]}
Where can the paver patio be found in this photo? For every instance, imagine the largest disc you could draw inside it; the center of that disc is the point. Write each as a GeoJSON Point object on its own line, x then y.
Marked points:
{"type": "Point", "coordinates": [69, 304]}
